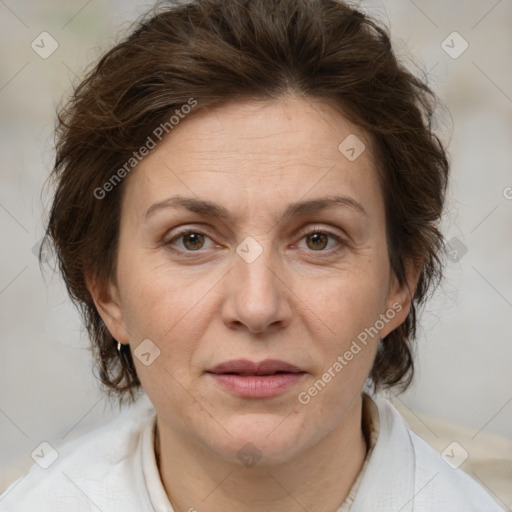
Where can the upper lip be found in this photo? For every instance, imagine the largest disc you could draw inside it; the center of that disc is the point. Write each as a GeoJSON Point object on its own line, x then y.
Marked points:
{"type": "Point", "coordinates": [268, 366]}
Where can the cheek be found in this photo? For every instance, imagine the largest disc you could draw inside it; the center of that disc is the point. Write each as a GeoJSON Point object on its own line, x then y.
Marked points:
{"type": "Point", "coordinates": [158, 299]}
{"type": "Point", "coordinates": [170, 315]}
{"type": "Point", "coordinates": [170, 309]}
{"type": "Point", "coordinates": [349, 306]}
{"type": "Point", "coordinates": [353, 299]}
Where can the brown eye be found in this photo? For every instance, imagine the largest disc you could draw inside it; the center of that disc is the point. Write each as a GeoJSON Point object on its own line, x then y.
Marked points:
{"type": "Point", "coordinates": [318, 240]}
{"type": "Point", "coordinates": [193, 241]}
{"type": "Point", "coordinates": [322, 242]}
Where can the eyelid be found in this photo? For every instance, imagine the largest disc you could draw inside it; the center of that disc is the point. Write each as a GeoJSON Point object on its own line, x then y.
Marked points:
{"type": "Point", "coordinates": [319, 228]}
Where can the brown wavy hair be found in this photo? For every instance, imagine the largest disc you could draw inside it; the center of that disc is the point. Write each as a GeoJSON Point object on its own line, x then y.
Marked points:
{"type": "Point", "coordinates": [216, 51]}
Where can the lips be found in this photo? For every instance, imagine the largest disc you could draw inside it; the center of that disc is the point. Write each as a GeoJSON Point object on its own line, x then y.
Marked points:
{"type": "Point", "coordinates": [253, 380]}
{"type": "Point", "coordinates": [244, 367]}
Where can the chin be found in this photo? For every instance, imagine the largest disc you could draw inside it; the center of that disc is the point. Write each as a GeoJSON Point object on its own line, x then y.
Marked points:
{"type": "Point", "coordinates": [263, 442]}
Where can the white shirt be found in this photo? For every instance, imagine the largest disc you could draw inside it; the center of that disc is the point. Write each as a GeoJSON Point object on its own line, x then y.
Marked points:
{"type": "Point", "coordinates": [113, 469]}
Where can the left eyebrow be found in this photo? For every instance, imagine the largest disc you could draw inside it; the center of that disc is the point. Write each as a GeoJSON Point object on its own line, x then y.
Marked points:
{"type": "Point", "coordinates": [299, 209]}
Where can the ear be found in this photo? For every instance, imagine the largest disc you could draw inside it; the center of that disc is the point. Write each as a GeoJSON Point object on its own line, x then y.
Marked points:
{"type": "Point", "coordinates": [400, 296]}
{"type": "Point", "coordinates": [107, 302]}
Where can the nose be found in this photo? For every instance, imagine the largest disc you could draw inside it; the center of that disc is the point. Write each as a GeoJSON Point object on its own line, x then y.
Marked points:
{"type": "Point", "coordinates": [257, 295]}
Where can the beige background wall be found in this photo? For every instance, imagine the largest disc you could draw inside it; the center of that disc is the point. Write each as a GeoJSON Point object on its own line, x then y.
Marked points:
{"type": "Point", "coordinates": [465, 351]}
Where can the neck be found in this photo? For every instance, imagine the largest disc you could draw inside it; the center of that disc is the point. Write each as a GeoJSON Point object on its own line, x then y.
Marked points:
{"type": "Point", "coordinates": [318, 480]}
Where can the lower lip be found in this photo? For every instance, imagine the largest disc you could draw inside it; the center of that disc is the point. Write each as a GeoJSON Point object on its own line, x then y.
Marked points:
{"type": "Point", "coordinates": [253, 386]}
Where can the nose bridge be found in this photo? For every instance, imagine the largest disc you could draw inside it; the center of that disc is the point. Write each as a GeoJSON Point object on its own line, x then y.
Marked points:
{"type": "Point", "coordinates": [253, 265]}
{"type": "Point", "coordinates": [256, 292]}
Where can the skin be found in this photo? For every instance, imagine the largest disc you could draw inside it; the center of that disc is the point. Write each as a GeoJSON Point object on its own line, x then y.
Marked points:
{"type": "Point", "coordinates": [207, 306]}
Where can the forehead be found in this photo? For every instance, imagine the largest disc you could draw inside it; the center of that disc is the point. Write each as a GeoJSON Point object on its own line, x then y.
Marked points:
{"type": "Point", "coordinates": [258, 153]}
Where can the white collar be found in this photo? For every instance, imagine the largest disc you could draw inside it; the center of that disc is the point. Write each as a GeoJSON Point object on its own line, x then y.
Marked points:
{"type": "Point", "coordinates": [388, 482]}
{"type": "Point", "coordinates": [154, 487]}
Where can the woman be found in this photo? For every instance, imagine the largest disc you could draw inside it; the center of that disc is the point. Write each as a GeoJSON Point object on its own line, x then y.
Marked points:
{"type": "Point", "coordinates": [246, 212]}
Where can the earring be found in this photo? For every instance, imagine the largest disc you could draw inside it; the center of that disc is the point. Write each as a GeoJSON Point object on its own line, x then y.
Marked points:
{"type": "Point", "coordinates": [119, 347]}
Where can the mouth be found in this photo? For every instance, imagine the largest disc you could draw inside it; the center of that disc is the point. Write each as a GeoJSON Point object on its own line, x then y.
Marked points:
{"type": "Point", "coordinates": [245, 367]}
{"type": "Point", "coordinates": [256, 374]}
{"type": "Point", "coordinates": [256, 380]}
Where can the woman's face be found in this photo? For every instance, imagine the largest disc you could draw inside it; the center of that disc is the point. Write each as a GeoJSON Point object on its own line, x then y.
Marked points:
{"type": "Point", "coordinates": [255, 284]}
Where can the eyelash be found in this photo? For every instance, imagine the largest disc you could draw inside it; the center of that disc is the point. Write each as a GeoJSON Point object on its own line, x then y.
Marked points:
{"type": "Point", "coordinates": [313, 231]}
